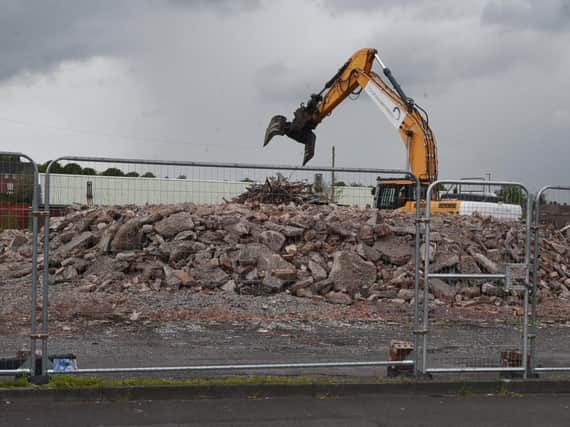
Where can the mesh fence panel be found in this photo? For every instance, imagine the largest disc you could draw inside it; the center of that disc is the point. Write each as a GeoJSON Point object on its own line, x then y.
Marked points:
{"type": "Point", "coordinates": [471, 255]}
{"type": "Point", "coordinates": [219, 263]}
{"type": "Point", "coordinates": [552, 234]}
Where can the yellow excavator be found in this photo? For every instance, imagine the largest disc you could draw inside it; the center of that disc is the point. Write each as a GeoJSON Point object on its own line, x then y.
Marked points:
{"type": "Point", "coordinates": [401, 111]}
{"type": "Point", "coordinates": [412, 123]}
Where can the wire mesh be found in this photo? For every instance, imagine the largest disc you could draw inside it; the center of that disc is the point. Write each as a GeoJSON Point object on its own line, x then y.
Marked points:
{"type": "Point", "coordinates": [173, 247]}
{"type": "Point", "coordinates": [478, 271]}
{"type": "Point", "coordinates": [144, 184]}
{"type": "Point", "coordinates": [552, 282]}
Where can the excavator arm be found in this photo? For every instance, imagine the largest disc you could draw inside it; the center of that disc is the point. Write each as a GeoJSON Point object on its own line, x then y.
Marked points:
{"type": "Point", "coordinates": [357, 75]}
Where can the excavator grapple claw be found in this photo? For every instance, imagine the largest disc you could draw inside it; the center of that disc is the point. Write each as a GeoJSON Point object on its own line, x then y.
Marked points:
{"type": "Point", "coordinates": [309, 142]}
{"type": "Point", "coordinates": [277, 126]}
{"type": "Point", "coordinates": [280, 126]}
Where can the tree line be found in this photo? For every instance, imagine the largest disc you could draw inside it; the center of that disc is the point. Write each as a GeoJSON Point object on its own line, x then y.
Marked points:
{"type": "Point", "coordinates": [75, 169]}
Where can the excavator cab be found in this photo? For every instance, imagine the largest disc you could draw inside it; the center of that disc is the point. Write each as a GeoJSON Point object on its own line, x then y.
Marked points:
{"type": "Point", "coordinates": [392, 194]}
{"type": "Point", "coordinates": [396, 194]}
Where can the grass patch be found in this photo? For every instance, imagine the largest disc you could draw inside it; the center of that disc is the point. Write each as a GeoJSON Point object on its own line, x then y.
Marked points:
{"type": "Point", "coordinates": [16, 382]}
{"type": "Point", "coordinates": [71, 381]}
{"type": "Point", "coordinates": [67, 381]}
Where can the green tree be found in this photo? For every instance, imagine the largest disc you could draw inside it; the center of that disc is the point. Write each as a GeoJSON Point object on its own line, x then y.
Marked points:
{"type": "Point", "coordinates": [113, 172]}
{"type": "Point", "coordinates": [133, 174]}
{"type": "Point", "coordinates": [512, 194]}
{"type": "Point", "coordinates": [88, 171]}
{"type": "Point", "coordinates": [340, 184]}
{"type": "Point", "coordinates": [148, 175]}
{"type": "Point", "coordinates": [72, 169]}
{"type": "Point", "coordinates": [181, 177]}
{"type": "Point", "coordinates": [247, 179]}
{"type": "Point", "coordinates": [55, 168]}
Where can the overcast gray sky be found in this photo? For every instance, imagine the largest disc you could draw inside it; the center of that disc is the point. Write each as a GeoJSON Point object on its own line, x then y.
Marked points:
{"type": "Point", "coordinates": [199, 80]}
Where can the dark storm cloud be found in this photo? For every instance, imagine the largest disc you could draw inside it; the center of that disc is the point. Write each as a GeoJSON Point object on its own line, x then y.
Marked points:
{"type": "Point", "coordinates": [543, 15]}
{"type": "Point", "coordinates": [38, 35]}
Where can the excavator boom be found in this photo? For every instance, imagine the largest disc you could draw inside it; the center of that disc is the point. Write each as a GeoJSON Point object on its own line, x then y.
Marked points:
{"type": "Point", "coordinates": [307, 117]}
{"type": "Point", "coordinates": [357, 75]}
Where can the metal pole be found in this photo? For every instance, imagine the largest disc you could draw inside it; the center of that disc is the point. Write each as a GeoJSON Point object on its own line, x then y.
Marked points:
{"type": "Point", "coordinates": [474, 276]}
{"type": "Point", "coordinates": [255, 366]}
{"type": "Point", "coordinates": [46, 270]}
{"type": "Point", "coordinates": [472, 370]}
{"type": "Point", "coordinates": [534, 328]}
{"type": "Point", "coordinates": [226, 165]}
{"type": "Point", "coordinates": [9, 372]}
{"type": "Point", "coordinates": [426, 275]}
{"type": "Point", "coordinates": [527, 262]}
{"type": "Point", "coordinates": [559, 369]}
{"type": "Point", "coordinates": [525, 335]}
{"type": "Point", "coordinates": [417, 273]}
{"type": "Point", "coordinates": [35, 208]}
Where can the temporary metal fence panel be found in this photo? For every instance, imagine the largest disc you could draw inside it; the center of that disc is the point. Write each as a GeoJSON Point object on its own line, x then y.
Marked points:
{"type": "Point", "coordinates": [154, 189]}
{"type": "Point", "coordinates": [18, 269]}
{"type": "Point", "coordinates": [477, 265]}
{"type": "Point", "coordinates": [113, 190]}
{"type": "Point", "coordinates": [550, 338]}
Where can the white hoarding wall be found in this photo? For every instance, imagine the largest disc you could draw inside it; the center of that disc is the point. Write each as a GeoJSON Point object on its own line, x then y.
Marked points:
{"type": "Point", "coordinates": [108, 190]}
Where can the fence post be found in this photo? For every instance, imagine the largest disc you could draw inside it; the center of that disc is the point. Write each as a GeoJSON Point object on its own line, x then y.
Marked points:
{"type": "Point", "coordinates": [426, 278]}
{"type": "Point", "coordinates": [526, 288]}
{"type": "Point", "coordinates": [45, 287]}
{"type": "Point", "coordinates": [417, 261]}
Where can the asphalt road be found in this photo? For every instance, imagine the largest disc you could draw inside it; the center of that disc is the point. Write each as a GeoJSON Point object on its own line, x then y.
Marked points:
{"type": "Point", "coordinates": [365, 410]}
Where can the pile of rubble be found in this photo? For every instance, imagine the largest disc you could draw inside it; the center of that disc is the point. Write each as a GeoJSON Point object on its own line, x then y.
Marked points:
{"type": "Point", "coordinates": [337, 254]}
{"type": "Point", "coordinates": [278, 190]}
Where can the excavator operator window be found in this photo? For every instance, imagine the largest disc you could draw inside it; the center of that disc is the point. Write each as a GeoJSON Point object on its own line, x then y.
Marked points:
{"type": "Point", "coordinates": [387, 197]}
{"type": "Point", "coordinates": [391, 196]}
